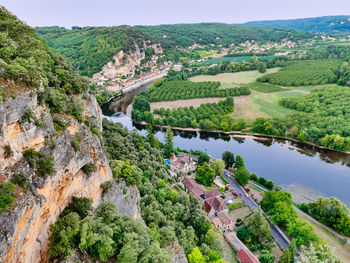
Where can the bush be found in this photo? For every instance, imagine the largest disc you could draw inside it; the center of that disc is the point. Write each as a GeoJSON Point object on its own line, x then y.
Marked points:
{"type": "Point", "coordinates": [59, 124]}
{"type": "Point", "coordinates": [81, 206]}
{"type": "Point", "coordinates": [234, 205]}
{"type": "Point", "coordinates": [253, 177]}
{"type": "Point", "coordinates": [7, 151]}
{"type": "Point", "coordinates": [7, 190]}
{"type": "Point", "coordinates": [45, 166]}
{"type": "Point", "coordinates": [106, 186]}
{"type": "Point", "coordinates": [89, 168]}
{"type": "Point", "coordinates": [21, 180]}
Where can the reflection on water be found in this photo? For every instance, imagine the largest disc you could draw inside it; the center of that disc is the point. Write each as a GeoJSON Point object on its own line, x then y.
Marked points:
{"type": "Point", "coordinates": [286, 163]}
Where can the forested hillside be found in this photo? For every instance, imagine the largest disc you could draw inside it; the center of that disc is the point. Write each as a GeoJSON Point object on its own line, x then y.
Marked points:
{"type": "Point", "coordinates": [184, 35]}
{"type": "Point", "coordinates": [325, 24]}
{"type": "Point", "coordinates": [89, 48]}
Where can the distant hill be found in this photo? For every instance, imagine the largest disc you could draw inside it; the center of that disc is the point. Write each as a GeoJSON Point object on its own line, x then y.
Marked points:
{"type": "Point", "coordinates": [325, 24]}
{"type": "Point", "coordinates": [89, 48]}
{"type": "Point", "coordinates": [185, 35]}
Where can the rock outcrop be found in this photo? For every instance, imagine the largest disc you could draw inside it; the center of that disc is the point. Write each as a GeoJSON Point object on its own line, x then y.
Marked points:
{"type": "Point", "coordinates": [24, 228]}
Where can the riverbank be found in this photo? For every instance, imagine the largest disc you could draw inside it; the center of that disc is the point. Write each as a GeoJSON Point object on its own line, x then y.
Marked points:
{"type": "Point", "coordinates": [251, 135]}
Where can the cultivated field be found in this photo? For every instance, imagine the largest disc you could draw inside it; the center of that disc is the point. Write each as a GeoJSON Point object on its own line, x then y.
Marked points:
{"type": "Point", "coordinates": [183, 103]}
{"type": "Point", "coordinates": [230, 80]}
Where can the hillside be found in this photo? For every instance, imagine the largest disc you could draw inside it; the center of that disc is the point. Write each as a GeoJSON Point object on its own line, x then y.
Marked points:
{"type": "Point", "coordinates": [90, 48]}
{"type": "Point", "coordinates": [184, 35]}
{"type": "Point", "coordinates": [325, 24]}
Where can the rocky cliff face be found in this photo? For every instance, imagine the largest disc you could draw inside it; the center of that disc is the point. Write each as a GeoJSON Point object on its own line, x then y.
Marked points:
{"type": "Point", "coordinates": [24, 228]}
{"type": "Point", "coordinates": [124, 64]}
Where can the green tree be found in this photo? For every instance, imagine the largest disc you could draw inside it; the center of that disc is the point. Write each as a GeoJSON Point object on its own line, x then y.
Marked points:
{"type": "Point", "coordinates": [196, 256]}
{"type": "Point", "coordinates": [228, 158]}
{"type": "Point", "coordinates": [218, 166]}
{"type": "Point", "coordinates": [261, 67]}
{"type": "Point", "coordinates": [205, 174]}
{"type": "Point", "coordinates": [242, 176]}
{"type": "Point", "coordinates": [266, 257]}
{"type": "Point", "coordinates": [169, 144]}
{"type": "Point", "coordinates": [259, 228]}
{"type": "Point", "coordinates": [203, 158]}
{"type": "Point", "coordinates": [239, 163]}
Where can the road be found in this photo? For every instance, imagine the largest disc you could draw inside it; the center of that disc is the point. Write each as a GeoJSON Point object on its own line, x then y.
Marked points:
{"type": "Point", "coordinates": [280, 238]}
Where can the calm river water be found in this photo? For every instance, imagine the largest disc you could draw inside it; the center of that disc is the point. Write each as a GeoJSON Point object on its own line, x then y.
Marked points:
{"type": "Point", "coordinates": [305, 172]}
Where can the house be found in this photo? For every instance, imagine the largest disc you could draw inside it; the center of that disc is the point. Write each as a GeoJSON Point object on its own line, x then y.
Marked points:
{"type": "Point", "coordinates": [245, 256]}
{"type": "Point", "coordinates": [213, 205]}
{"type": "Point", "coordinates": [214, 192]}
{"type": "Point", "coordinates": [192, 187]}
{"type": "Point", "coordinates": [182, 165]}
{"type": "Point", "coordinates": [226, 221]}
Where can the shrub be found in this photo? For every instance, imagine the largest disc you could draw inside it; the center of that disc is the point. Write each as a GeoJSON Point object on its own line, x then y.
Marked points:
{"type": "Point", "coordinates": [7, 151]}
{"type": "Point", "coordinates": [59, 124]}
{"type": "Point", "coordinates": [28, 116]}
{"type": "Point", "coordinates": [81, 206]}
{"type": "Point", "coordinates": [21, 180]}
{"type": "Point", "coordinates": [45, 166]}
{"type": "Point", "coordinates": [253, 177]}
{"type": "Point", "coordinates": [7, 190]}
{"type": "Point", "coordinates": [95, 129]}
{"type": "Point", "coordinates": [75, 143]}
{"type": "Point", "coordinates": [234, 205]}
{"type": "Point", "coordinates": [88, 168]}
{"type": "Point", "coordinates": [106, 186]}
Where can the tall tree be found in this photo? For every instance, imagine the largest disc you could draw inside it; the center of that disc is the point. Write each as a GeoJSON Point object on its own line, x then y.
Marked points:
{"type": "Point", "coordinates": [228, 158]}
{"type": "Point", "coordinates": [239, 163]}
{"type": "Point", "coordinates": [218, 166]}
{"type": "Point", "coordinates": [259, 228]}
{"type": "Point", "coordinates": [242, 176]}
{"type": "Point", "coordinates": [169, 143]}
{"type": "Point", "coordinates": [205, 174]}
{"type": "Point", "coordinates": [203, 158]}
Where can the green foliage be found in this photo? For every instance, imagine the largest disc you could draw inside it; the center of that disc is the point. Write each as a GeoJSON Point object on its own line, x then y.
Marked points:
{"type": "Point", "coordinates": [205, 174]}
{"type": "Point", "coordinates": [7, 190]}
{"type": "Point", "coordinates": [234, 206]}
{"type": "Point", "coordinates": [180, 89]}
{"type": "Point", "coordinates": [289, 254]}
{"type": "Point", "coordinates": [242, 175]}
{"type": "Point", "coordinates": [261, 67]}
{"type": "Point", "coordinates": [21, 180]}
{"type": "Point", "coordinates": [239, 162]}
{"type": "Point", "coordinates": [26, 58]}
{"type": "Point", "coordinates": [81, 206]}
{"type": "Point", "coordinates": [253, 177]}
{"type": "Point", "coordinates": [196, 256]}
{"type": "Point", "coordinates": [203, 157]}
{"type": "Point", "coordinates": [303, 73]}
{"type": "Point", "coordinates": [89, 168]}
{"type": "Point", "coordinates": [89, 48]}
{"type": "Point", "coordinates": [123, 169]}
{"type": "Point", "coordinates": [43, 164]}
{"type": "Point", "coordinates": [331, 212]}
{"type": "Point", "coordinates": [218, 166]}
{"type": "Point", "coordinates": [169, 143]}
{"type": "Point", "coordinates": [29, 116]}
{"type": "Point", "coordinates": [106, 186]}
{"type": "Point", "coordinates": [264, 87]}
{"type": "Point", "coordinates": [7, 151]}
{"type": "Point", "coordinates": [259, 228]}
{"type": "Point", "coordinates": [317, 253]}
{"type": "Point", "coordinates": [243, 234]}
{"type": "Point", "coordinates": [228, 158]}
{"type": "Point", "coordinates": [185, 35]}
{"type": "Point", "coordinates": [266, 257]}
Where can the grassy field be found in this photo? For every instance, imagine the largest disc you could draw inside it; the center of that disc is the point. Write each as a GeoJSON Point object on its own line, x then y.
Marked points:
{"type": "Point", "coordinates": [230, 80]}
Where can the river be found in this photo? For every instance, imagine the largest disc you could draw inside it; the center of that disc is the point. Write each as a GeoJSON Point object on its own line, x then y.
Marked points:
{"type": "Point", "coordinates": [304, 171]}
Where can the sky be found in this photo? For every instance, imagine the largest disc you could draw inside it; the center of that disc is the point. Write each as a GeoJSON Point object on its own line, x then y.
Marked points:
{"type": "Point", "coordinates": [69, 13]}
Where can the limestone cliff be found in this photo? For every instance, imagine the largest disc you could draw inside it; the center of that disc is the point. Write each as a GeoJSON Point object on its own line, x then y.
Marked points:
{"type": "Point", "coordinates": [24, 228]}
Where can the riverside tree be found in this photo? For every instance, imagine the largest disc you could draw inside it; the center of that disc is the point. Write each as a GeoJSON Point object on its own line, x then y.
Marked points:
{"type": "Point", "coordinates": [169, 143]}
{"type": "Point", "coordinates": [228, 158]}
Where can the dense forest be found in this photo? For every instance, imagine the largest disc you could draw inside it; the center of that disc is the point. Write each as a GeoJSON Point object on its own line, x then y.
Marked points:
{"type": "Point", "coordinates": [185, 35]}
{"type": "Point", "coordinates": [325, 24]}
{"type": "Point", "coordinates": [89, 48]}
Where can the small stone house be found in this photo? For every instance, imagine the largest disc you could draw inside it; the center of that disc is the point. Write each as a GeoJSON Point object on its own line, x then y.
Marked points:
{"type": "Point", "coordinates": [213, 205]}
{"type": "Point", "coordinates": [182, 165]}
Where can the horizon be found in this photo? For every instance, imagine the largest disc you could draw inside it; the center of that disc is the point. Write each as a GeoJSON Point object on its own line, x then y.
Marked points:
{"type": "Point", "coordinates": [41, 13]}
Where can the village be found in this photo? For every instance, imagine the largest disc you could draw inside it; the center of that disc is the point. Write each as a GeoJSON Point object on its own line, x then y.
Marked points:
{"type": "Point", "coordinates": [224, 206]}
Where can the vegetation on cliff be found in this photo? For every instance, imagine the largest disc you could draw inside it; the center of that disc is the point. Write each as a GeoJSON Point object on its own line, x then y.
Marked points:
{"type": "Point", "coordinates": [90, 48]}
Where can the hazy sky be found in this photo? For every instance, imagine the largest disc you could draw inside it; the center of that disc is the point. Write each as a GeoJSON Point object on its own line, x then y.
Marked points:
{"type": "Point", "coordinates": [152, 12]}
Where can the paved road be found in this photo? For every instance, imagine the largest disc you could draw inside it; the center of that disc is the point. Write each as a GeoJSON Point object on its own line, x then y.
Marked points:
{"type": "Point", "coordinates": [282, 240]}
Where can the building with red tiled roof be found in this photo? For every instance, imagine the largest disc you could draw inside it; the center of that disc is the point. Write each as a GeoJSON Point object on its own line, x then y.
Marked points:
{"type": "Point", "coordinates": [214, 192]}
{"type": "Point", "coordinates": [192, 187]}
{"type": "Point", "coordinates": [213, 205]}
{"type": "Point", "coordinates": [183, 165]}
{"type": "Point", "coordinates": [245, 256]}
